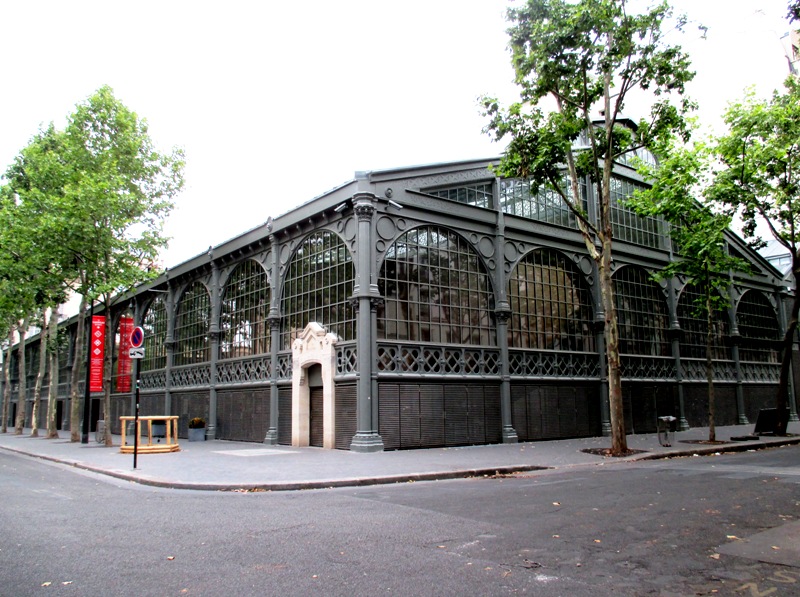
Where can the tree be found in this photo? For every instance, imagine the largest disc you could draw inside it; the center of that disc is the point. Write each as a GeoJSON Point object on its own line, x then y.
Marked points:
{"type": "Point", "coordinates": [583, 57]}
{"type": "Point", "coordinates": [120, 190]}
{"type": "Point", "coordinates": [760, 181]}
{"type": "Point", "coordinates": [698, 235]}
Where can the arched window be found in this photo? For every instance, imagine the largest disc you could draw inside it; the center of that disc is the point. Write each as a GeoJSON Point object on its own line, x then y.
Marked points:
{"type": "Point", "coordinates": [191, 326]}
{"type": "Point", "coordinates": [550, 305]}
{"type": "Point", "coordinates": [318, 287]}
{"type": "Point", "coordinates": [641, 313]}
{"type": "Point", "coordinates": [154, 325]}
{"type": "Point", "coordinates": [758, 327]}
{"type": "Point", "coordinates": [693, 319]}
{"type": "Point", "coordinates": [245, 308]}
{"type": "Point", "coordinates": [436, 289]}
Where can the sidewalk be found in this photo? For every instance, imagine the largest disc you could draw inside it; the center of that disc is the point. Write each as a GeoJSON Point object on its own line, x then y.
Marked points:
{"type": "Point", "coordinates": [231, 466]}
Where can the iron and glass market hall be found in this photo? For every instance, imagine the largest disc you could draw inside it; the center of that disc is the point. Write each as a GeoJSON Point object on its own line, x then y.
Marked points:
{"type": "Point", "coordinates": [438, 305]}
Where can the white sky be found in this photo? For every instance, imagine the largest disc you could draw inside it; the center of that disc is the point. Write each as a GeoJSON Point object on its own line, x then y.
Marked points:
{"type": "Point", "coordinates": [277, 102]}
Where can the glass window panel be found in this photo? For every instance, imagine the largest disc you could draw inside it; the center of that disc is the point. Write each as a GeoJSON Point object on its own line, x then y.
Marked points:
{"type": "Point", "coordinates": [758, 326]}
{"type": "Point", "coordinates": [694, 325]}
{"type": "Point", "coordinates": [318, 287]}
{"type": "Point", "coordinates": [154, 325]}
{"type": "Point", "coordinates": [245, 311]}
{"type": "Point", "coordinates": [550, 305]}
{"type": "Point", "coordinates": [641, 313]}
{"type": "Point", "coordinates": [192, 325]}
{"type": "Point", "coordinates": [435, 290]}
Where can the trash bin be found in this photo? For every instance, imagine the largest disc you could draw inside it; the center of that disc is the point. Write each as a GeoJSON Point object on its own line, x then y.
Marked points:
{"type": "Point", "coordinates": [666, 431]}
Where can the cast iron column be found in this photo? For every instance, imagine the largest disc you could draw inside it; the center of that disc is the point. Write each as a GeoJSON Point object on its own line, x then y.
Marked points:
{"type": "Point", "coordinates": [214, 335]}
{"type": "Point", "coordinates": [274, 319]}
{"type": "Point", "coordinates": [502, 314]}
{"type": "Point", "coordinates": [169, 344]}
{"type": "Point", "coordinates": [675, 337]}
{"type": "Point", "coordinates": [365, 292]}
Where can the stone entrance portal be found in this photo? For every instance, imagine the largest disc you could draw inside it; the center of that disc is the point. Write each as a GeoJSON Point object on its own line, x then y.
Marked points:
{"type": "Point", "coordinates": [315, 346]}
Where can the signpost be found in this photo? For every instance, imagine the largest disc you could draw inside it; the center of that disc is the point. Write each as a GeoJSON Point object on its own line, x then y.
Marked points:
{"type": "Point", "coordinates": [136, 352]}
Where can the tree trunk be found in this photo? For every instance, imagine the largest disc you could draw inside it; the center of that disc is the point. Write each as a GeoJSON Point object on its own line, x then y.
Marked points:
{"type": "Point", "coordinates": [782, 398]}
{"type": "Point", "coordinates": [619, 443]}
{"type": "Point", "coordinates": [7, 381]}
{"type": "Point", "coordinates": [37, 388]}
{"type": "Point", "coordinates": [78, 359]}
{"type": "Point", "coordinates": [19, 424]}
{"type": "Point", "coordinates": [52, 395]}
{"type": "Point", "coordinates": [712, 410]}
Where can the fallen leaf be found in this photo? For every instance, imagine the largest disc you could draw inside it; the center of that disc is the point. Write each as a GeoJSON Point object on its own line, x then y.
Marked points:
{"type": "Point", "coordinates": [775, 547]}
{"type": "Point", "coordinates": [597, 541]}
{"type": "Point", "coordinates": [714, 556]}
{"type": "Point", "coordinates": [67, 582]}
{"type": "Point", "coordinates": [556, 536]}
{"type": "Point", "coordinates": [46, 584]}
{"type": "Point", "coordinates": [556, 503]}
{"type": "Point", "coordinates": [733, 537]}
{"type": "Point", "coordinates": [170, 558]}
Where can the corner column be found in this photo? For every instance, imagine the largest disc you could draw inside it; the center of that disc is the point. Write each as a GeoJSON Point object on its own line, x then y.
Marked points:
{"type": "Point", "coordinates": [214, 334]}
{"type": "Point", "coordinates": [274, 319]}
{"type": "Point", "coordinates": [365, 295]}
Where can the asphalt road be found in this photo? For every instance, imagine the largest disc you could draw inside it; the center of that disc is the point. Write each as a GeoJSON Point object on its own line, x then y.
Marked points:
{"type": "Point", "coordinates": [689, 526]}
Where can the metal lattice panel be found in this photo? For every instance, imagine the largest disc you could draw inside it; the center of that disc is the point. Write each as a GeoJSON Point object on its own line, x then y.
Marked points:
{"type": "Point", "coordinates": [649, 368]}
{"type": "Point", "coordinates": [693, 321]}
{"type": "Point", "coordinates": [246, 370]}
{"type": "Point", "coordinates": [285, 366]}
{"type": "Point", "coordinates": [695, 370]}
{"type": "Point", "coordinates": [760, 372]}
{"type": "Point", "coordinates": [244, 312]}
{"type": "Point", "coordinates": [318, 287]}
{"type": "Point", "coordinates": [545, 364]}
{"type": "Point", "coordinates": [758, 326]}
{"type": "Point", "coordinates": [192, 325]}
{"type": "Point", "coordinates": [346, 359]}
{"type": "Point", "coordinates": [442, 360]}
{"type": "Point", "coordinates": [155, 335]}
{"type": "Point", "coordinates": [641, 312]}
{"type": "Point", "coordinates": [436, 289]}
{"type": "Point", "coordinates": [153, 380]}
{"type": "Point", "coordinates": [188, 376]}
{"type": "Point", "coordinates": [550, 305]}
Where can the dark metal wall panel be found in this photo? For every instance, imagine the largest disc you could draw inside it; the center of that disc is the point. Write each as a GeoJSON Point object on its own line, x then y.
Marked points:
{"type": "Point", "coordinates": [285, 416]}
{"type": "Point", "coordinates": [491, 414]}
{"type": "Point", "coordinates": [410, 432]}
{"type": "Point", "coordinates": [346, 415]}
{"type": "Point", "coordinates": [456, 431]}
{"type": "Point", "coordinates": [432, 415]}
{"type": "Point", "coordinates": [389, 415]}
{"type": "Point", "coordinates": [476, 417]}
{"type": "Point", "coordinates": [551, 411]}
{"type": "Point", "coordinates": [186, 405]}
{"type": "Point", "coordinates": [243, 415]}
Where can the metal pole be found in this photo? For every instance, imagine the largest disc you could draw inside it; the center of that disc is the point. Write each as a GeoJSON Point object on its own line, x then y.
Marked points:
{"type": "Point", "coordinates": [136, 417]}
{"type": "Point", "coordinates": [86, 395]}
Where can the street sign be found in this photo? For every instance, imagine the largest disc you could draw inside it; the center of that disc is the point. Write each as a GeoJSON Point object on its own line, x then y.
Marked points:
{"type": "Point", "coordinates": [137, 338]}
{"type": "Point", "coordinates": [136, 353]}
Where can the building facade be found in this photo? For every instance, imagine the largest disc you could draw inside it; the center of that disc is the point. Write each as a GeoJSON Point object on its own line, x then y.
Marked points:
{"type": "Point", "coordinates": [440, 306]}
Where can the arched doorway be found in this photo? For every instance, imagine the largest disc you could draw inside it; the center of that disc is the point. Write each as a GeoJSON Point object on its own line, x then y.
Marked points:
{"type": "Point", "coordinates": [313, 392]}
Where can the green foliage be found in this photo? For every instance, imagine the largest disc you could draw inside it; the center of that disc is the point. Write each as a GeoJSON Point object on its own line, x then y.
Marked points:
{"type": "Point", "coordinates": [587, 57]}
{"type": "Point", "coordinates": [697, 230]}
{"type": "Point", "coordinates": [761, 159]}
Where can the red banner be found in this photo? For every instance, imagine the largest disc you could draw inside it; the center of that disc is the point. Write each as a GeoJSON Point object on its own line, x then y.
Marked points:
{"type": "Point", "coordinates": [124, 358]}
{"type": "Point", "coordinates": [97, 352]}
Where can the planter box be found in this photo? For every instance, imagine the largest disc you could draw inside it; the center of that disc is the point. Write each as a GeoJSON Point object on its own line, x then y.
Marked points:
{"type": "Point", "coordinates": [197, 435]}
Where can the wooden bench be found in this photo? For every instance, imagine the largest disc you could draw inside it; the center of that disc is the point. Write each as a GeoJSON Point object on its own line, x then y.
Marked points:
{"type": "Point", "coordinates": [170, 443]}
